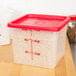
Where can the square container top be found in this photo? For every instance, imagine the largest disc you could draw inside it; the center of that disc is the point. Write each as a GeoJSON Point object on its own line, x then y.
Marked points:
{"type": "Point", "coordinates": [40, 22]}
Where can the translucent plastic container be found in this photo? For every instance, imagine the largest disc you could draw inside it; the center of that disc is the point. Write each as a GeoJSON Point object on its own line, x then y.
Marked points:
{"type": "Point", "coordinates": [39, 40]}
{"type": "Point", "coordinates": [5, 16]}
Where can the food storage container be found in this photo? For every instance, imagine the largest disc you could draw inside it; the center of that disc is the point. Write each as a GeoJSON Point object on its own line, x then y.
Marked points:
{"type": "Point", "coordinates": [39, 40]}
{"type": "Point", "coordinates": [5, 16]}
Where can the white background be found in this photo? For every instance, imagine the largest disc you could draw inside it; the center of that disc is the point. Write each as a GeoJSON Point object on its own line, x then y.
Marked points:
{"type": "Point", "coordinates": [61, 7]}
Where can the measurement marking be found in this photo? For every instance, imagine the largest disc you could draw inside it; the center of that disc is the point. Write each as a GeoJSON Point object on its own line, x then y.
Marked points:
{"type": "Point", "coordinates": [31, 50]}
{"type": "Point", "coordinates": [32, 46]}
{"type": "Point", "coordinates": [33, 53]}
{"type": "Point", "coordinates": [31, 32]}
{"type": "Point", "coordinates": [0, 34]}
{"type": "Point", "coordinates": [32, 40]}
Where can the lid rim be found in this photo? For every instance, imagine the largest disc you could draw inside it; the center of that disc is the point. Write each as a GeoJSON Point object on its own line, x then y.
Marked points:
{"type": "Point", "coordinates": [73, 17]}
{"type": "Point", "coordinates": [56, 29]}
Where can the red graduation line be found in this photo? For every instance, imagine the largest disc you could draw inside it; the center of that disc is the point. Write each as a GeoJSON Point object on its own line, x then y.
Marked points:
{"type": "Point", "coordinates": [0, 34]}
{"type": "Point", "coordinates": [32, 46]}
{"type": "Point", "coordinates": [32, 40]}
{"type": "Point", "coordinates": [33, 53]}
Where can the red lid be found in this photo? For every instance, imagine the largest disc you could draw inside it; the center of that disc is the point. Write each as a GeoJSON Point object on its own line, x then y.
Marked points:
{"type": "Point", "coordinates": [40, 22]}
{"type": "Point", "coordinates": [73, 17]}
